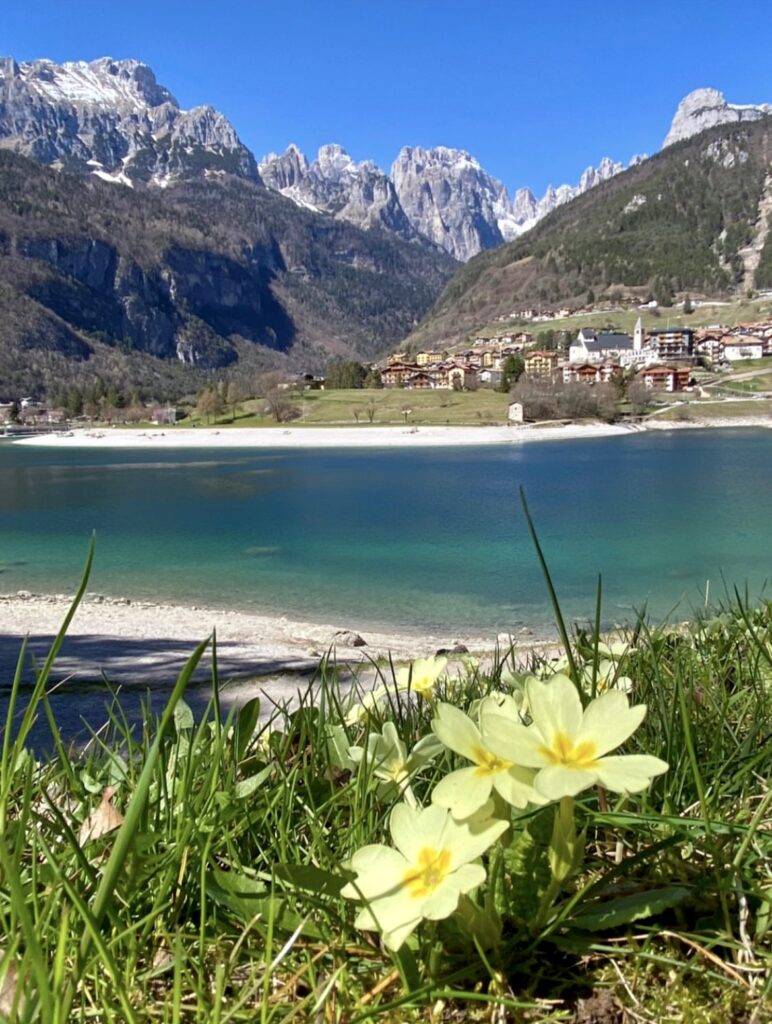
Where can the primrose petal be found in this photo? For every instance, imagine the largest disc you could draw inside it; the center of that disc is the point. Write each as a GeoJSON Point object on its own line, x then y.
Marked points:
{"type": "Point", "coordinates": [463, 792]}
{"type": "Point", "coordinates": [455, 730]}
{"type": "Point", "coordinates": [560, 780]}
{"type": "Point", "coordinates": [609, 721]}
{"type": "Point", "coordinates": [517, 743]}
{"type": "Point", "coordinates": [516, 787]}
{"type": "Point", "coordinates": [555, 706]}
{"type": "Point", "coordinates": [629, 773]}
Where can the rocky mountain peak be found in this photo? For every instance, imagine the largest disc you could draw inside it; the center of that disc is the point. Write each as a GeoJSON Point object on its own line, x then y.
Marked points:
{"type": "Point", "coordinates": [706, 108]}
{"type": "Point", "coordinates": [335, 184]}
{"type": "Point", "coordinates": [114, 119]}
{"type": "Point", "coordinates": [450, 199]}
{"type": "Point", "coordinates": [284, 172]}
{"type": "Point", "coordinates": [333, 163]}
{"type": "Point", "coordinates": [104, 83]}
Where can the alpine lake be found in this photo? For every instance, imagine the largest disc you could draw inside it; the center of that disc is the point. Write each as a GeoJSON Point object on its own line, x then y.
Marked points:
{"type": "Point", "coordinates": [432, 539]}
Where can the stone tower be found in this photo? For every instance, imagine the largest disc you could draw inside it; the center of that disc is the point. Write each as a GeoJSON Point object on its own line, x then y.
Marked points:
{"type": "Point", "coordinates": [638, 336]}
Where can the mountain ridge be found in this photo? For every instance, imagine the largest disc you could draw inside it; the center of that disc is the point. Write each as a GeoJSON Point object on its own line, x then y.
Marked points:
{"type": "Point", "coordinates": [440, 193]}
{"type": "Point", "coordinates": [112, 118]}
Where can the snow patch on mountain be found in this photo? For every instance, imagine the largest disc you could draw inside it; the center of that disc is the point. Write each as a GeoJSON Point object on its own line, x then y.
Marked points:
{"type": "Point", "coordinates": [113, 116]}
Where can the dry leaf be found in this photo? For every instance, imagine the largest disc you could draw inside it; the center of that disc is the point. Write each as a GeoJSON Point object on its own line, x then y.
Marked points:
{"type": "Point", "coordinates": [8, 987]}
{"type": "Point", "coordinates": [103, 820]}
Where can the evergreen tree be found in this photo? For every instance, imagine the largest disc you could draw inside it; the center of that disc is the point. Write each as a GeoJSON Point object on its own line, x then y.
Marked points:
{"type": "Point", "coordinates": [511, 372]}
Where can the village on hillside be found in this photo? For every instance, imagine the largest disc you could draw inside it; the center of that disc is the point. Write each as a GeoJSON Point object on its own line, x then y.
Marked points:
{"type": "Point", "coordinates": [663, 361]}
{"type": "Point", "coordinates": [661, 358]}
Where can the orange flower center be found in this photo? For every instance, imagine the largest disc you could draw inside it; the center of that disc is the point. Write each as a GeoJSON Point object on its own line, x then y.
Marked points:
{"type": "Point", "coordinates": [563, 751]}
{"type": "Point", "coordinates": [433, 866]}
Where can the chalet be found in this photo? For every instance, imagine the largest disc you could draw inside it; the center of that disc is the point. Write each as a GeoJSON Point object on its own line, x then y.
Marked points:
{"type": "Point", "coordinates": [396, 373]}
{"type": "Point", "coordinates": [666, 378]}
{"type": "Point", "coordinates": [461, 376]}
{"type": "Point", "coordinates": [541, 364]}
{"type": "Point", "coordinates": [420, 382]}
{"type": "Point", "coordinates": [166, 414]}
{"type": "Point", "coordinates": [591, 373]}
{"type": "Point", "coordinates": [489, 378]}
{"type": "Point", "coordinates": [710, 346]}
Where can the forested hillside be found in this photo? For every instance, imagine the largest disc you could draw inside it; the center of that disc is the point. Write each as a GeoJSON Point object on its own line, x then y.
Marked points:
{"type": "Point", "coordinates": [687, 219]}
{"type": "Point", "coordinates": [160, 287]}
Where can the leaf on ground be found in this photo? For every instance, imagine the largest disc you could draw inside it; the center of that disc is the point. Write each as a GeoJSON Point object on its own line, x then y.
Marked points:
{"type": "Point", "coordinates": [246, 787]}
{"type": "Point", "coordinates": [104, 819]}
{"type": "Point", "coordinates": [311, 878]}
{"type": "Point", "coordinates": [11, 1000]}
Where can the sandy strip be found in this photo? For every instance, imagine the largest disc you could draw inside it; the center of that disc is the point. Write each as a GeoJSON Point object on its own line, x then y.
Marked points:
{"type": "Point", "coordinates": [139, 649]}
{"type": "Point", "coordinates": [318, 437]}
{"type": "Point", "coordinates": [366, 436]}
{"type": "Point", "coordinates": [710, 423]}
{"type": "Point", "coordinates": [136, 641]}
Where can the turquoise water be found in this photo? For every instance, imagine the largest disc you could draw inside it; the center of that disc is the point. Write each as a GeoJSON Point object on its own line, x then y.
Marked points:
{"type": "Point", "coordinates": [427, 539]}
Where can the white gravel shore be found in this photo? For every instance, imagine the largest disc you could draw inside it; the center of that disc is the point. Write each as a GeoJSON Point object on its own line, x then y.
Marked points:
{"type": "Point", "coordinates": [132, 641]}
{"type": "Point", "coordinates": [316, 437]}
{"type": "Point", "coordinates": [364, 436]}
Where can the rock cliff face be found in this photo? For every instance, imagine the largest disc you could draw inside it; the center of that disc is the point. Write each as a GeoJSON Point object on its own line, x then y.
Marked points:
{"type": "Point", "coordinates": [450, 199]}
{"type": "Point", "coordinates": [706, 108]}
{"type": "Point", "coordinates": [210, 273]}
{"type": "Point", "coordinates": [358, 193]}
{"type": "Point", "coordinates": [111, 117]}
{"type": "Point", "coordinates": [440, 194]}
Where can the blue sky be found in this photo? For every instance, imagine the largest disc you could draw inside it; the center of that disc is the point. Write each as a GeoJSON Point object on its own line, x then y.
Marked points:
{"type": "Point", "coordinates": [535, 90]}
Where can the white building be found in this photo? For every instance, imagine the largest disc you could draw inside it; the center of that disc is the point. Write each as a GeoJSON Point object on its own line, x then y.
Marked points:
{"type": "Point", "coordinates": [742, 348]}
{"type": "Point", "coordinates": [603, 347]}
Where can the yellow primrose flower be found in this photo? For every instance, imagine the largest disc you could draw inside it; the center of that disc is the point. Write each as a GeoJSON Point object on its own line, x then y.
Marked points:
{"type": "Point", "coordinates": [467, 789]}
{"type": "Point", "coordinates": [424, 877]}
{"type": "Point", "coordinates": [507, 704]}
{"type": "Point", "coordinates": [607, 678]}
{"type": "Point", "coordinates": [615, 650]}
{"type": "Point", "coordinates": [388, 759]}
{"type": "Point", "coordinates": [559, 665]}
{"type": "Point", "coordinates": [567, 745]}
{"type": "Point", "coordinates": [362, 710]}
{"type": "Point", "coordinates": [421, 676]}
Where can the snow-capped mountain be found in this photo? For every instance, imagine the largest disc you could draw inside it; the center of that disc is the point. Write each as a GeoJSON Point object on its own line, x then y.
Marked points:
{"type": "Point", "coordinates": [443, 194]}
{"type": "Point", "coordinates": [113, 118]}
{"type": "Point", "coordinates": [706, 108]}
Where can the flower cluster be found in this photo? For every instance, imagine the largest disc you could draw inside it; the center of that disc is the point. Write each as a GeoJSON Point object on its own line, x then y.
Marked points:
{"type": "Point", "coordinates": [524, 749]}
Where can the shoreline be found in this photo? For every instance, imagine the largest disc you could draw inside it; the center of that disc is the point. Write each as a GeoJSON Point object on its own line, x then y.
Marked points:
{"type": "Point", "coordinates": [140, 641]}
{"type": "Point", "coordinates": [366, 436]}
{"type": "Point", "coordinates": [315, 437]}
